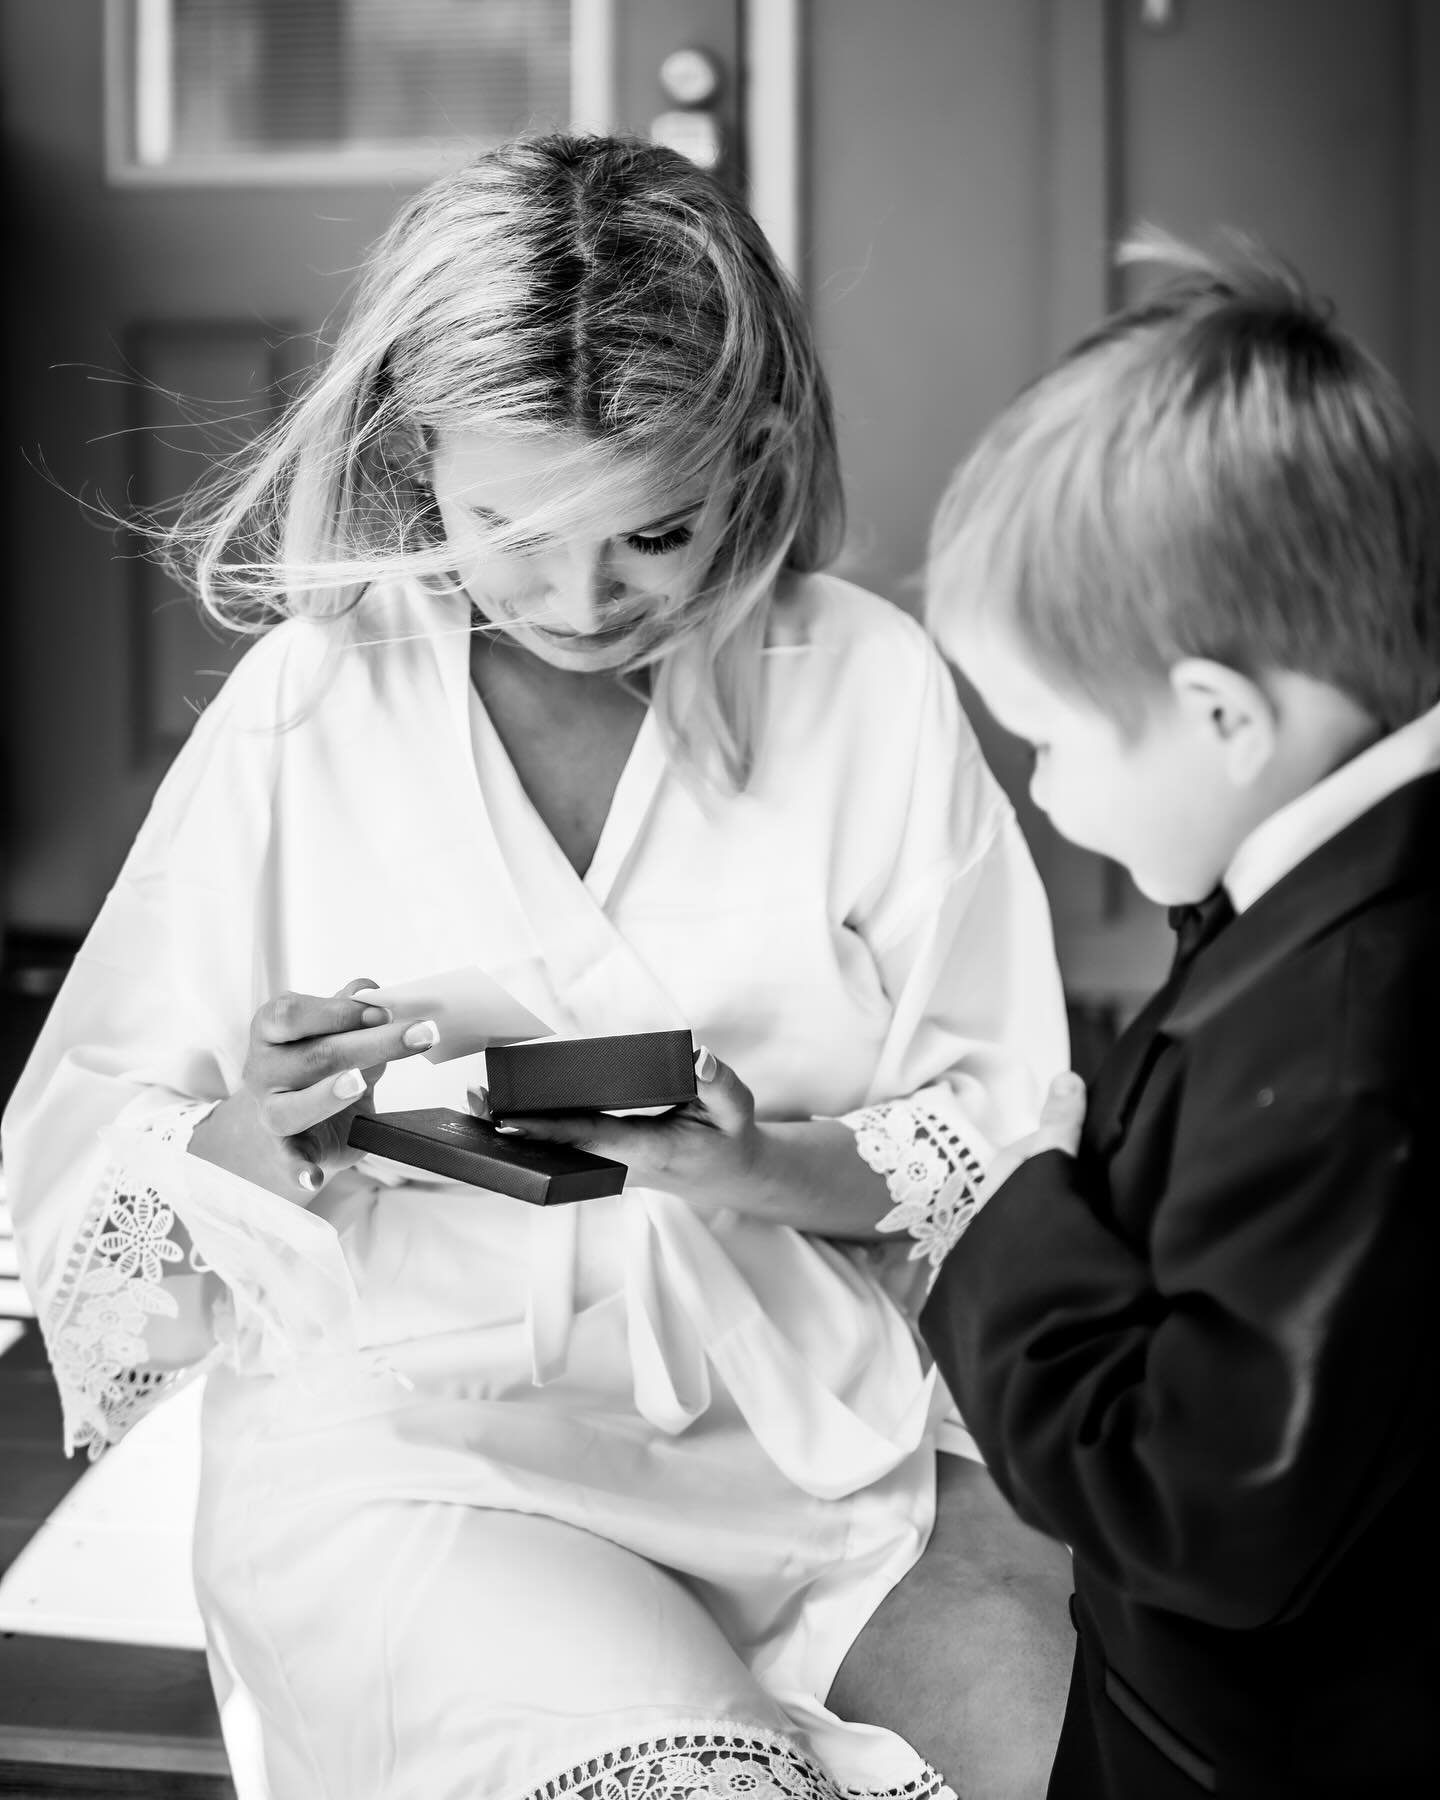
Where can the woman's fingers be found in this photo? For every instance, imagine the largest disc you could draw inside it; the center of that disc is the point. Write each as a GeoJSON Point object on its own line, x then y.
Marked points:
{"type": "Point", "coordinates": [372, 1014]}
{"type": "Point", "coordinates": [290, 1018]}
{"type": "Point", "coordinates": [313, 1056]}
{"type": "Point", "coordinates": [582, 1129]}
{"type": "Point", "coordinates": [596, 1132]}
{"type": "Point", "coordinates": [284, 1065]}
{"type": "Point", "coordinates": [306, 1161]}
{"type": "Point", "coordinates": [289, 1112]}
{"type": "Point", "coordinates": [728, 1103]}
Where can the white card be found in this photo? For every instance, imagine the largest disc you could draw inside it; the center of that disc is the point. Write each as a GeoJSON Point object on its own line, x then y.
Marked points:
{"type": "Point", "coordinates": [470, 1009]}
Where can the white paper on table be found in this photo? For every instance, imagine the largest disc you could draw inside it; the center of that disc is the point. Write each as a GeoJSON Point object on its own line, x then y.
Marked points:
{"type": "Point", "coordinates": [470, 1009]}
{"type": "Point", "coordinates": [112, 1562]}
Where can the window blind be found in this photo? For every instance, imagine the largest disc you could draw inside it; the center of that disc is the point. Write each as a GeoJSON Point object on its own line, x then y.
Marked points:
{"type": "Point", "coordinates": [217, 78]}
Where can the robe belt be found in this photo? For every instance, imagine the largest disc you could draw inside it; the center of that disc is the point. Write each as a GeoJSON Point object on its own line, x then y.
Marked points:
{"type": "Point", "coordinates": [690, 1308]}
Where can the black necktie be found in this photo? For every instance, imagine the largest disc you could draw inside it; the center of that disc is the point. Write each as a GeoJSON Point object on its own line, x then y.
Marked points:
{"type": "Point", "coordinates": [1196, 924]}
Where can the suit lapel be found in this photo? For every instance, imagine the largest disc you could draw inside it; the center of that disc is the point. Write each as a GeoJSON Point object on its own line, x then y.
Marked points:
{"type": "Point", "coordinates": [1393, 844]}
{"type": "Point", "coordinates": [1123, 1075]}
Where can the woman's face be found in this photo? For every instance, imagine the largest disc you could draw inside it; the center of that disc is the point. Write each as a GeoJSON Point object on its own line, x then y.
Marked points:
{"type": "Point", "coordinates": [577, 553]}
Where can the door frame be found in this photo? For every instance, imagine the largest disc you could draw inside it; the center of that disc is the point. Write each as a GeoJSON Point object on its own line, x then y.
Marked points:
{"type": "Point", "coordinates": [770, 52]}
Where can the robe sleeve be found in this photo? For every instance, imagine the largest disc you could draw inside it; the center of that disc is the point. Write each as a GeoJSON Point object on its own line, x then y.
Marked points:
{"type": "Point", "coordinates": [147, 1034]}
{"type": "Point", "coordinates": [960, 932]}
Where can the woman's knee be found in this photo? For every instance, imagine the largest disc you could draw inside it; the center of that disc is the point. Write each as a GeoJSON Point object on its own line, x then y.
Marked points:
{"type": "Point", "coordinates": [969, 1656]}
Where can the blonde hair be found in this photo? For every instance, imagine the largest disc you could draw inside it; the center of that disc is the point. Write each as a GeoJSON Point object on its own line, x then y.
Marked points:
{"type": "Point", "coordinates": [604, 286]}
{"type": "Point", "coordinates": [1220, 471]}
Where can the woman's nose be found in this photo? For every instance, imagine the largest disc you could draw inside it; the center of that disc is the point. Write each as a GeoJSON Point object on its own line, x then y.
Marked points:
{"type": "Point", "coordinates": [578, 586]}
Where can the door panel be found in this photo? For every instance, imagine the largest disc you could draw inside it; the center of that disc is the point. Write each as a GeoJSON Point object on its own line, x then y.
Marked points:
{"type": "Point", "coordinates": [1288, 118]}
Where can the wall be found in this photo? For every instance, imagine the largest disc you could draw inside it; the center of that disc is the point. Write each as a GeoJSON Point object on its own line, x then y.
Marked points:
{"type": "Point", "coordinates": [957, 220]}
{"type": "Point", "coordinates": [927, 145]}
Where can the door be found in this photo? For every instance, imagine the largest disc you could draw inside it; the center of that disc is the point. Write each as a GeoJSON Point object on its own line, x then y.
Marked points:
{"type": "Point", "coordinates": [1306, 123]}
{"type": "Point", "coordinates": [190, 194]}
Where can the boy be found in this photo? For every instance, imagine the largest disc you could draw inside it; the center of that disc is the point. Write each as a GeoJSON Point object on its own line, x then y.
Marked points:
{"type": "Point", "coordinates": [1198, 567]}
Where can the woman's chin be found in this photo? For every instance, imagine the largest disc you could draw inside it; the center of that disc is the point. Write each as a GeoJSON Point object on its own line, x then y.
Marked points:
{"type": "Point", "coordinates": [577, 656]}
{"type": "Point", "coordinates": [580, 657]}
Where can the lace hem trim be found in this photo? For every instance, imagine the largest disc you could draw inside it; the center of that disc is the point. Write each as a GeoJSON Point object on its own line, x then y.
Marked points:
{"type": "Point", "coordinates": [933, 1175]}
{"type": "Point", "coordinates": [718, 1764]}
{"type": "Point", "coordinates": [112, 1284]}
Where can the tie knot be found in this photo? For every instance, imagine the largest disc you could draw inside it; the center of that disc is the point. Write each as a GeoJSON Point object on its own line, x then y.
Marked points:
{"type": "Point", "coordinates": [1196, 924]}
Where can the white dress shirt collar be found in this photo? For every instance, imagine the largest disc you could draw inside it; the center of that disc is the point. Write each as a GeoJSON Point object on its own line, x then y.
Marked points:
{"type": "Point", "coordinates": [1287, 837]}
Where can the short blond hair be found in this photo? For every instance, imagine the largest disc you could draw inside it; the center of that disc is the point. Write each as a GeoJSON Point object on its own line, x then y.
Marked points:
{"type": "Point", "coordinates": [1219, 470]}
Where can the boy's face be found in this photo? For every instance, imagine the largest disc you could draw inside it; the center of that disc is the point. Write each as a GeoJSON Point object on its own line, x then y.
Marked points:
{"type": "Point", "coordinates": [1159, 802]}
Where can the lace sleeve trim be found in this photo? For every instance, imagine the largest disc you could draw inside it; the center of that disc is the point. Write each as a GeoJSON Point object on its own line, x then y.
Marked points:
{"type": "Point", "coordinates": [933, 1175]}
{"type": "Point", "coordinates": [724, 1763]}
{"type": "Point", "coordinates": [112, 1285]}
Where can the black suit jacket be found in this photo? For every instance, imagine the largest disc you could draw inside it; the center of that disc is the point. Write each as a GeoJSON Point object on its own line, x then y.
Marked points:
{"type": "Point", "coordinates": [1202, 1352]}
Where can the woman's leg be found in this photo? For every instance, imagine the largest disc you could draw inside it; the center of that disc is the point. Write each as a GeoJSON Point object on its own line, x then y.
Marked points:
{"type": "Point", "coordinates": [969, 1656]}
{"type": "Point", "coordinates": [424, 1651]}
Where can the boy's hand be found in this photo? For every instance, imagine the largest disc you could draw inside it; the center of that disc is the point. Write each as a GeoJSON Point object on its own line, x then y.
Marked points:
{"type": "Point", "coordinates": [1061, 1117]}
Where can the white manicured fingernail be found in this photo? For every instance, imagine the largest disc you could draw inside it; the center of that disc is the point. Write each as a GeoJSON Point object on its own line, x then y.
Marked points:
{"type": "Point", "coordinates": [348, 1085]}
{"type": "Point", "coordinates": [705, 1064]}
{"type": "Point", "coordinates": [421, 1035]}
{"type": "Point", "coordinates": [309, 1180]}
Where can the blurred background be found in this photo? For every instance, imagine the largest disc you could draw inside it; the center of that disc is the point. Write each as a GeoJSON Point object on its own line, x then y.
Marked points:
{"type": "Point", "coordinates": [193, 182]}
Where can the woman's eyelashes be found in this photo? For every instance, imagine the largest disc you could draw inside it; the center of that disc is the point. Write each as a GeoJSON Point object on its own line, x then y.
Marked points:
{"type": "Point", "coordinates": [663, 542]}
{"type": "Point", "coordinates": [647, 543]}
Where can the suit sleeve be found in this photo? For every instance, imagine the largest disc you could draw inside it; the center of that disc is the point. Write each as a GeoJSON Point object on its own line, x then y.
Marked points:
{"type": "Point", "coordinates": [1208, 1426]}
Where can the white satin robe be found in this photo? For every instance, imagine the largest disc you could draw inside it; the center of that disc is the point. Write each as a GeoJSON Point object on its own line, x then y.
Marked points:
{"type": "Point", "coordinates": [498, 1500]}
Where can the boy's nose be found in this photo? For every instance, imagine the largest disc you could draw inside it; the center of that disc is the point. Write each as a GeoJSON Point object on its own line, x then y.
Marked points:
{"type": "Point", "coordinates": [579, 585]}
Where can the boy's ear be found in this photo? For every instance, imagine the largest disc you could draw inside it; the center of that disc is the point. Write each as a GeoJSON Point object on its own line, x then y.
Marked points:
{"type": "Point", "coordinates": [1232, 713]}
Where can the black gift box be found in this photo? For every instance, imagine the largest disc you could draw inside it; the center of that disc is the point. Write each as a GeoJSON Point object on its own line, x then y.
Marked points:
{"type": "Point", "coordinates": [466, 1149]}
{"type": "Point", "coordinates": [645, 1068]}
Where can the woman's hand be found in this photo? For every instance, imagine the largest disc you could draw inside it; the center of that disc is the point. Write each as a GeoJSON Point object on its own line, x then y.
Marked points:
{"type": "Point", "coordinates": [1061, 1118]}
{"type": "Point", "coordinates": [311, 1066]}
{"type": "Point", "coordinates": [706, 1150]}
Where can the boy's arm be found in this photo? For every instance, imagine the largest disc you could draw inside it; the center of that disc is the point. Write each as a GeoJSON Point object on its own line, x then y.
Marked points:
{"type": "Point", "coordinates": [1207, 1428]}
